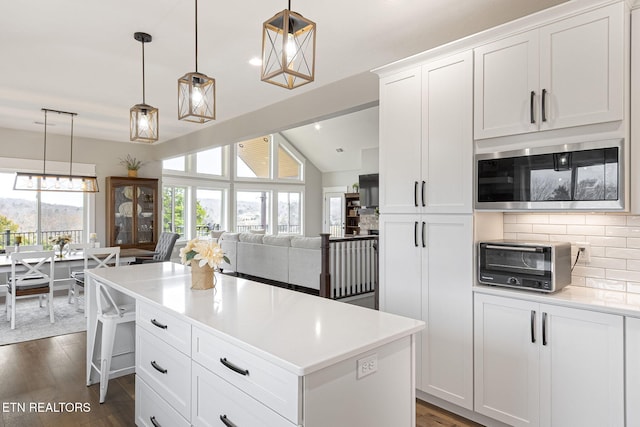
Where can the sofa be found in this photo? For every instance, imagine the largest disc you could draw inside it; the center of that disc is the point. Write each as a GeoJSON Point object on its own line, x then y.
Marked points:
{"type": "Point", "coordinates": [294, 260]}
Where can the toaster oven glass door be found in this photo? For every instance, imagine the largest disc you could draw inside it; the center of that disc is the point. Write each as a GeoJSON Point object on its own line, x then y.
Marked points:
{"type": "Point", "coordinates": [520, 260]}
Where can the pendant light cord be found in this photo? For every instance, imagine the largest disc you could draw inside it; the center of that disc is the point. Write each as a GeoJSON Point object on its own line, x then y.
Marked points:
{"type": "Point", "coordinates": [143, 82]}
{"type": "Point", "coordinates": [71, 149]}
{"type": "Point", "coordinates": [44, 155]}
{"type": "Point", "coordinates": [196, 36]}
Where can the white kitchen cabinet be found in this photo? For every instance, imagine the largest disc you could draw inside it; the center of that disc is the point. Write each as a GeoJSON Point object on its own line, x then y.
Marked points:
{"type": "Point", "coordinates": [426, 140]}
{"type": "Point", "coordinates": [534, 364]}
{"type": "Point", "coordinates": [564, 74]}
{"type": "Point", "coordinates": [426, 271]}
{"type": "Point", "coordinates": [632, 379]}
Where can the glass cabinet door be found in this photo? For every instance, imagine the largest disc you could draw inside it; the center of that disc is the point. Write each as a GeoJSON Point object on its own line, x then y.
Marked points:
{"type": "Point", "coordinates": [132, 212]}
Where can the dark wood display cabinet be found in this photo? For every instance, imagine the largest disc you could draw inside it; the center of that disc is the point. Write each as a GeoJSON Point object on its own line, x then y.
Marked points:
{"type": "Point", "coordinates": [352, 213]}
{"type": "Point", "coordinates": [132, 212]}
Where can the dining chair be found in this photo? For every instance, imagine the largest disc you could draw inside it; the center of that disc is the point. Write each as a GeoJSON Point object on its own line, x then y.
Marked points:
{"type": "Point", "coordinates": [75, 249]}
{"type": "Point", "coordinates": [23, 248]}
{"type": "Point", "coordinates": [110, 314]}
{"type": "Point", "coordinates": [163, 250]}
{"type": "Point", "coordinates": [94, 258]}
{"type": "Point", "coordinates": [31, 276]}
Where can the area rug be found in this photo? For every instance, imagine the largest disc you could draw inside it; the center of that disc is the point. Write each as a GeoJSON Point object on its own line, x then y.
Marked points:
{"type": "Point", "coordinates": [32, 321]}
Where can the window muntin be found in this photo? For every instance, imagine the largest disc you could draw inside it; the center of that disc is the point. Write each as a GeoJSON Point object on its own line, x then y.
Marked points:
{"type": "Point", "coordinates": [174, 209]}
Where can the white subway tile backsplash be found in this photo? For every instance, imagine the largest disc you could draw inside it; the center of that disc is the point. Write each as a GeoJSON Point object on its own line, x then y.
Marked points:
{"type": "Point", "coordinates": [566, 219]}
{"type": "Point", "coordinates": [547, 228]}
{"type": "Point", "coordinates": [510, 236]}
{"type": "Point", "coordinates": [609, 219]}
{"type": "Point", "coordinates": [614, 240]}
{"type": "Point", "coordinates": [518, 228]}
{"type": "Point", "coordinates": [592, 230]}
{"type": "Point", "coordinates": [618, 242]}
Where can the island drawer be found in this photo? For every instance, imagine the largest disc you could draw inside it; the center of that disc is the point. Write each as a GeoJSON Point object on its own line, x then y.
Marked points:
{"type": "Point", "coordinates": [272, 385]}
{"type": "Point", "coordinates": [165, 326]}
{"type": "Point", "coordinates": [214, 399]}
{"type": "Point", "coordinates": [153, 411]}
{"type": "Point", "coordinates": [165, 370]}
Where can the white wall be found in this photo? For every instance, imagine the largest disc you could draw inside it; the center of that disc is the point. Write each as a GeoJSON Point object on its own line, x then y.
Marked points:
{"type": "Point", "coordinates": [346, 179]}
{"type": "Point", "coordinates": [312, 200]}
{"type": "Point", "coordinates": [614, 244]}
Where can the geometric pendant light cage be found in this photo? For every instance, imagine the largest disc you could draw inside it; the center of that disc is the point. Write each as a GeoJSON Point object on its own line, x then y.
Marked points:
{"type": "Point", "coordinates": [143, 118]}
{"type": "Point", "coordinates": [56, 182]}
{"type": "Point", "coordinates": [196, 92]}
{"type": "Point", "coordinates": [288, 49]}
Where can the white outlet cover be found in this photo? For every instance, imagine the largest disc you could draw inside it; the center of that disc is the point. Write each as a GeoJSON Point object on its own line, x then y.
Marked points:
{"type": "Point", "coordinates": [367, 366]}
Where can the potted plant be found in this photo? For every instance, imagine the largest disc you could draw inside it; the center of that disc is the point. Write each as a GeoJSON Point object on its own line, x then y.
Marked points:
{"type": "Point", "coordinates": [132, 164]}
{"type": "Point", "coordinates": [355, 187]}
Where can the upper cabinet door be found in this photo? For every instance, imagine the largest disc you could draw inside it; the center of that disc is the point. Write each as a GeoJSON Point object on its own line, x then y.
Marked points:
{"type": "Point", "coordinates": [506, 86]}
{"type": "Point", "coordinates": [447, 148]}
{"type": "Point", "coordinates": [582, 69]}
{"type": "Point", "coordinates": [400, 138]}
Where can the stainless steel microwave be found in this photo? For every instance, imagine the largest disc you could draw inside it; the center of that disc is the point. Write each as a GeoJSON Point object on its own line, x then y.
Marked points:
{"type": "Point", "coordinates": [536, 266]}
{"type": "Point", "coordinates": [582, 176]}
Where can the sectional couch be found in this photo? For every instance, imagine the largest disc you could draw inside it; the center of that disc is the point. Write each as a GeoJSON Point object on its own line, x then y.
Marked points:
{"type": "Point", "coordinates": [288, 259]}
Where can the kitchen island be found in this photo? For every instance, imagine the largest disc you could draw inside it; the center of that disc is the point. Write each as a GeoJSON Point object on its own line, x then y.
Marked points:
{"type": "Point", "coordinates": [247, 353]}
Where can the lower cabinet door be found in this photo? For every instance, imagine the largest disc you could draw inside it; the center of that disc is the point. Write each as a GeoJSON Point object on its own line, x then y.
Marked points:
{"type": "Point", "coordinates": [153, 411]}
{"type": "Point", "coordinates": [217, 403]}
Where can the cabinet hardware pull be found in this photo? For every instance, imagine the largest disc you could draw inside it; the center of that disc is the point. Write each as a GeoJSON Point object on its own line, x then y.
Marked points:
{"type": "Point", "coordinates": [233, 367]}
{"type": "Point", "coordinates": [544, 328]}
{"type": "Point", "coordinates": [415, 193]}
{"type": "Point", "coordinates": [226, 421]}
{"type": "Point", "coordinates": [415, 233]}
{"type": "Point", "coordinates": [158, 367]}
{"type": "Point", "coordinates": [158, 324]}
{"type": "Point", "coordinates": [424, 239]}
{"type": "Point", "coordinates": [544, 100]}
{"type": "Point", "coordinates": [424, 183]}
{"type": "Point", "coordinates": [154, 422]}
{"type": "Point", "coordinates": [533, 326]}
{"type": "Point", "coordinates": [533, 95]}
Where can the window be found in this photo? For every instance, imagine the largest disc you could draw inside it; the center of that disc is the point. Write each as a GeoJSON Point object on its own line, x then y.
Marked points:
{"type": "Point", "coordinates": [175, 164]}
{"type": "Point", "coordinates": [253, 158]}
{"type": "Point", "coordinates": [288, 166]}
{"type": "Point", "coordinates": [252, 209]}
{"type": "Point", "coordinates": [209, 211]}
{"type": "Point", "coordinates": [173, 209]}
{"type": "Point", "coordinates": [37, 216]}
{"type": "Point", "coordinates": [209, 161]}
{"type": "Point", "coordinates": [289, 213]}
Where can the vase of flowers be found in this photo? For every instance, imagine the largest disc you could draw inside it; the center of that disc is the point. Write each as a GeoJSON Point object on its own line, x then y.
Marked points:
{"type": "Point", "coordinates": [60, 244]}
{"type": "Point", "coordinates": [204, 256]}
{"type": "Point", "coordinates": [132, 164]}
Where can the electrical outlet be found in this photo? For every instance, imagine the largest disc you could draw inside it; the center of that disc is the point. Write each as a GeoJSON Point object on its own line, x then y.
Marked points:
{"type": "Point", "coordinates": [367, 366]}
{"type": "Point", "coordinates": [585, 249]}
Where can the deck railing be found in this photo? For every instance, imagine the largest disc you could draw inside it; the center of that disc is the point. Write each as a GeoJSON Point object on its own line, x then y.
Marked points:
{"type": "Point", "coordinates": [31, 237]}
{"type": "Point", "coordinates": [349, 266]}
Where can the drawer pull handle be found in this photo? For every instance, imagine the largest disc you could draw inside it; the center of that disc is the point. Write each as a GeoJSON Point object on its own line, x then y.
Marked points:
{"type": "Point", "coordinates": [154, 422]}
{"type": "Point", "coordinates": [226, 421]}
{"type": "Point", "coordinates": [158, 367]}
{"type": "Point", "coordinates": [158, 324]}
{"type": "Point", "coordinates": [233, 367]}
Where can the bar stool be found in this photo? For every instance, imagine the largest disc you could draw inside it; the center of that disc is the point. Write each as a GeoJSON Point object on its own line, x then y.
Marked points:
{"type": "Point", "coordinates": [110, 315]}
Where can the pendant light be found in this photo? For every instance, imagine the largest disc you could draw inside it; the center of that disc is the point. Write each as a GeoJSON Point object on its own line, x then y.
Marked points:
{"type": "Point", "coordinates": [196, 93]}
{"type": "Point", "coordinates": [143, 118]}
{"type": "Point", "coordinates": [288, 49]}
{"type": "Point", "coordinates": [56, 182]}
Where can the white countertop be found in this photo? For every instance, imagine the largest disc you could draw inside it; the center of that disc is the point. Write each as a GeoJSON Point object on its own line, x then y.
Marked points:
{"type": "Point", "coordinates": [299, 332]}
{"type": "Point", "coordinates": [606, 301]}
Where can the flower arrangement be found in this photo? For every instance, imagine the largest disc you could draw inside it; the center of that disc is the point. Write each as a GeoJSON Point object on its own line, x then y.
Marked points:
{"type": "Point", "coordinates": [203, 251]}
{"type": "Point", "coordinates": [60, 240]}
{"type": "Point", "coordinates": [131, 163]}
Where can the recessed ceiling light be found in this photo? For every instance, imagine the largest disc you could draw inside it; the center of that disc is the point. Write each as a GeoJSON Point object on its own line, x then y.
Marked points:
{"type": "Point", "coordinates": [339, 150]}
{"type": "Point", "coordinates": [255, 61]}
{"type": "Point", "coordinates": [317, 126]}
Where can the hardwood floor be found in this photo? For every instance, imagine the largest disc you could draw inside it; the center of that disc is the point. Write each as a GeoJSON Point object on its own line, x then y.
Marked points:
{"type": "Point", "coordinates": [51, 371]}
